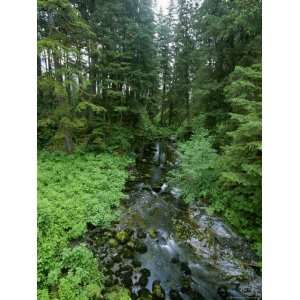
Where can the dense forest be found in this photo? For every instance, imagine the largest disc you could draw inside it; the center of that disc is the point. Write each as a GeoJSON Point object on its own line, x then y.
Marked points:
{"type": "Point", "coordinates": [114, 76]}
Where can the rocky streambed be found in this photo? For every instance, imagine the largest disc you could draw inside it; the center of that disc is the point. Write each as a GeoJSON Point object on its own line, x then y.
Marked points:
{"type": "Point", "coordinates": [164, 249]}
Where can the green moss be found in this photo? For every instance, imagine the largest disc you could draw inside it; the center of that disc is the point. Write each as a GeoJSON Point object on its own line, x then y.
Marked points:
{"type": "Point", "coordinates": [153, 233]}
{"type": "Point", "coordinates": [118, 294]}
{"type": "Point", "coordinates": [122, 236]}
{"type": "Point", "coordinates": [113, 243]}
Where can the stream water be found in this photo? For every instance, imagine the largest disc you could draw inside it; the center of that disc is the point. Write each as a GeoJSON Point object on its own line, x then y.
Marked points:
{"type": "Point", "coordinates": [179, 251]}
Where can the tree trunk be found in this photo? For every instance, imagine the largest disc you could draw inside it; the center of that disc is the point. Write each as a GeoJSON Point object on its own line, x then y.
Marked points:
{"type": "Point", "coordinates": [39, 66]}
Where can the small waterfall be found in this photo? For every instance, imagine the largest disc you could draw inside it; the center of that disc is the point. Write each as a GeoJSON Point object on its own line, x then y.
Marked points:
{"type": "Point", "coordinates": [156, 157]}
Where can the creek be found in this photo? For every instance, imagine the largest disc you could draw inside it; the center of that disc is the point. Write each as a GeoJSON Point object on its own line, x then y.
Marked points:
{"type": "Point", "coordinates": [162, 248]}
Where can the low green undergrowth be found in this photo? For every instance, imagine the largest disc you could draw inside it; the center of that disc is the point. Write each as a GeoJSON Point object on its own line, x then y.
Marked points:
{"type": "Point", "coordinates": [73, 191]}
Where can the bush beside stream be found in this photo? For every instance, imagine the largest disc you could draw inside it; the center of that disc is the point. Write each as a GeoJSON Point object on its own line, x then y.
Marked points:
{"type": "Point", "coordinates": [74, 192]}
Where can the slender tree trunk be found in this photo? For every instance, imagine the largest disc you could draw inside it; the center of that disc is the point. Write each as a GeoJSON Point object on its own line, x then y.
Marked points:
{"type": "Point", "coordinates": [49, 61]}
{"type": "Point", "coordinates": [69, 145]}
{"type": "Point", "coordinates": [39, 66]}
{"type": "Point", "coordinates": [170, 111]}
{"type": "Point", "coordinates": [93, 75]}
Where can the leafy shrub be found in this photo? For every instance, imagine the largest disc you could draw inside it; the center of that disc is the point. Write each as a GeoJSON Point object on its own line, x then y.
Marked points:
{"type": "Point", "coordinates": [72, 191]}
{"type": "Point", "coordinates": [196, 173]}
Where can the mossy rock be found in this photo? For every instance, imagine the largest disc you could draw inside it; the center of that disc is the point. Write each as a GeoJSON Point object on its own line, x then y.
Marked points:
{"type": "Point", "coordinates": [117, 258]}
{"type": "Point", "coordinates": [136, 263]}
{"type": "Point", "coordinates": [130, 245]}
{"type": "Point", "coordinates": [144, 294]}
{"type": "Point", "coordinates": [113, 243]}
{"type": "Point", "coordinates": [122, 236]}
{"type": "Point", "coordinates": [129, 231]}
{"type": "Point", "coordinates": [126, 268]}
{"type": "Point", "coordinates": [184, 267]}
{"type": "Point", "coordinates": [194, 295]}
{"type": "Point", "coordinates": [145, 272]}
{"type": "Point", "coordinates": [223, 291]}
{"type": "Point", "coordinates": [141, 234]}
{"type": "Point", "coordinates": [126, 279]}
{"type": "Point", "coordinates": [141, 247]}
{"type": "Point", "coordinates": [158, 292]}
{"type": "Point", "coordinates": [174, 295]}
{"type": "Point", "coordinates": [143, 281]}
{"type": "Point", "coordinates": [149, 297]}
{"type": "Point", "coordinates": [153, 233]}
{"type": "Point", "coordinates": [175, 260]}
{"type": "Point", "coordinates": [128, 253]}
{"type": "Point", "coordinates": [108, 263]}
{"type": "Point", "coordinates": [186, 285]}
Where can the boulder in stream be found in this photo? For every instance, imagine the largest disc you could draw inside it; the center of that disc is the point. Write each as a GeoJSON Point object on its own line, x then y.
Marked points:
{"type": "Point", "coordinates": [122, 236]}
{"type": "Point", "coordinates": [158, 292]}
{"type": "Point", "coordinates": [136, 263]}
{"type": "Point", "coordinates": [152, 233]}
{"type": "Point", "coordinates": [174, 295]}
{"type": "Point", "coordinates": [141, 234]}
{"type": "Point", "coordinates": [144, 294]}
{"type": "Point", "coordinates": [145, 272]}
{"type": "Point", "coordinates": [223, 292]}
{"type": "Point", "coordinates": [128, 253]}
{"type": "Point", "coordinates": [184, 267]}
{"type": "Point", "coordinates": [113, 243]}
{"type": "Point", "coordinates": [186, 284]}
{"type": "Point", "coordinates": [141, 247]}
{"type": "Point", "coordinates": [143, 281]}
{"type": "Point", "coordinates": [175, 260]}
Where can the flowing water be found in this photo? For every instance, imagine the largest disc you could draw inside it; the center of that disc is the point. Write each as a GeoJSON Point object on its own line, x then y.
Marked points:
{"type": "Point", "coordinates": [191, 254]}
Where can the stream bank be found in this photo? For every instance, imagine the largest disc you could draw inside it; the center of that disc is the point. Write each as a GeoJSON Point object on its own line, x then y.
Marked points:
{"type": "Point", "coordinates": [163, 249]}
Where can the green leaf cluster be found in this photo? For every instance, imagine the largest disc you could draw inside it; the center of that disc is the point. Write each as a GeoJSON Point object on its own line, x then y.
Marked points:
{"type": "Point", "coordinates": [72, 191]}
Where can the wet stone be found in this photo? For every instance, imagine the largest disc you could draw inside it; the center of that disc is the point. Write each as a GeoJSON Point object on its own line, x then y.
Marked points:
{"type": "Point", "coordinates": [108, 263]}
{"type": "Point", "coordinates": [126, 268]}
{"type": "Point", "coordinates": [141, 247]}
{"type": "Point", "coordinates": [185, 268]}
{"type": "Point", "coordinates": [122, 236]}
{"type": "Point", "coordinates": [223, 292]}
{"type": "Point", "coordinates": [153, 233]}
{"type": "Point", "coordinates": [158, 292]}
{"type": "Point", "coordinates": [113, 243]}
{"type": "Point", "coordinates": [186, 285]}
{"type": "Point", "coordinates": [143, 281]}
{"type": "Point", "coordinates": [136, 263]}
{"type": "Point", "coordinates": [145, 272]}
{"type": "Point", "coordinates": [128, 253]}
{"type": "Point", "coordinates": [141, 234]}
{"type": "Point", "coordinates": [130, 245]}
{"type": "Point", "coordinates": [175, 260]}
{"type": "Point", "coordinates": [129, 231]}
{"type": "Point", "coordinates": [126, 279]}
{"type": "Point", "coordinates": [117, 258]}
{"type": "Point", "coordinates": [174, 295]}
{"type": "Point", "coordinates": [194, 295]}
{"type": "Point", "coordinates": [143, 292]}
{"type": "Point", "coordinates": [148, 297]}
{"type": "Point", "coordinates": [156, 189]}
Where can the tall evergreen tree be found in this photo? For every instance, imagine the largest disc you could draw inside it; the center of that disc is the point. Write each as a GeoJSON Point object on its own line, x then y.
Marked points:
{"type": "Point", "coordinates": [183, 69]}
